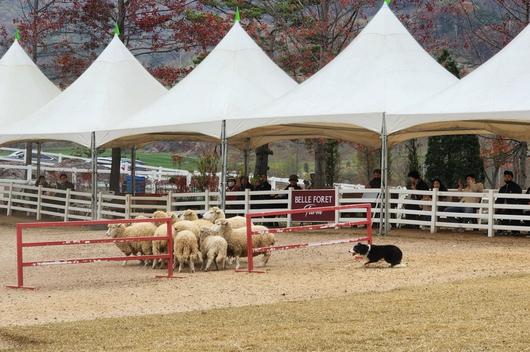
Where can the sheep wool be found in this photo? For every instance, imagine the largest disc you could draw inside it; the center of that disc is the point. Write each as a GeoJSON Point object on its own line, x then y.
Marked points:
{"type": "Point", "coordinates": [213, 249]}
{"type": "Point", "coordinates": [186, 250]}
{"type": "Point", "coordinates": [215, 213]}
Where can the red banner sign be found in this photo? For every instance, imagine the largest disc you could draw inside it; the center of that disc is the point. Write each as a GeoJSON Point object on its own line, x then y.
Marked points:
{"type": "Point", "coordinates": [307, 199]}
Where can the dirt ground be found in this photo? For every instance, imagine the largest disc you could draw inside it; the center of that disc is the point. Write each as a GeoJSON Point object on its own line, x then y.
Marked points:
{"type": "Point", "coordinates": [104, 290]}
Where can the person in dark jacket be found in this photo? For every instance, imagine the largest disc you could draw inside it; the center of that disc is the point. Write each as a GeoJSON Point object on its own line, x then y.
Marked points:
{"type": "Point", "coordinates": [263, 184]}
{"type": "Point", "coordinates": [375, 182]}
{"type": "Point", "coordinates": [244, 184]}
{"type": "Point", "coordinates": [510, 187]}
{"type": "Point", "coordinates": [417, 184]}
{"type": "Point", "coordinates": [293, 183]}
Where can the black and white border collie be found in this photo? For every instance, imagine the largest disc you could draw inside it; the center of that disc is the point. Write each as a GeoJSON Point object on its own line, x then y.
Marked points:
{"type": "Point", "coordinates": [372, 253]}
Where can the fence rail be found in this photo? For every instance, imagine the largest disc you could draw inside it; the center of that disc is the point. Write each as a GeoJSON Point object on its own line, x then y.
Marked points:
{"type": "Point", "coordinates": [489, 211]}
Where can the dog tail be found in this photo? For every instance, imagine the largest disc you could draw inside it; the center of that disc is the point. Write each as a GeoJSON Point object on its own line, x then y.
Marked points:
{"type": "Point", "coordinates": [400, 265]}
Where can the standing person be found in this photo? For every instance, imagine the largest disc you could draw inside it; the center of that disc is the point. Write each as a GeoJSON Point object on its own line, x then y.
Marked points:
{"type": "Point", "coordinates": [472, 186]}
{"type": "Point", "coordinates": [417, 184]}
{"type": "Point", "coordinates": [510, 187]}
{"type": "Point", "coordinates": [64, 184]}
{"type": "Point", "coordinates": [293, 183]}
{"type": "Point", "coordinates": [375, 182]}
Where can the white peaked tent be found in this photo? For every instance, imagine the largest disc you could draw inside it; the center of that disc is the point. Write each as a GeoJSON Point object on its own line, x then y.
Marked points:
{"type": "Point", "coordinates": [114, 87]}
{"type": "Point", "coordinates": [383, 69]}
{"type": "Point", "coordinates": [235, 78]}
{"type": "Point", "coordinates": [23, 87]}
{"type": "Point", "coordinates": [494, 98]}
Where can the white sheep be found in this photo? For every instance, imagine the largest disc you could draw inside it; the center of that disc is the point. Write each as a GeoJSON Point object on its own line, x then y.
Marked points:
{"type": "Point", "coordinates": [237, 240]}
{"type": "Point", "coordinates": [135, 230]}
{"type": "Point", "coordinates": [186, 250]}
{"type": "Point", "coordinates": [213, 249]}
{"type": "Point", "coordinates": [191, 215]}
{"type": "Point", "coordinates": [215, 213]}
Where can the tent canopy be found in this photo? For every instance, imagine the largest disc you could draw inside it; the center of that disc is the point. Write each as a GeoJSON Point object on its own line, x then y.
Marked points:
{"type": "Point", "coordinates": [114, 87]}
{"type": "Point", "coordinates": [494, 98]}
{"type": "Point", "coordinates": [23, 87]}
{"type": "Point", "coordinates": [235, 78]}
{"type": "Point", "coordinates": [383, 69]}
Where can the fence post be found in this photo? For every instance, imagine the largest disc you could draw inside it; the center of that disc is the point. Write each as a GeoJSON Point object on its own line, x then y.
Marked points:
{"type": "Point", "coordinates": [10, 199]}
{"type": "Point", "coordinates": [491, 212]}
{"type": "Point", "coordinates": [206, 199]}
{"type": "Point", "coordinates": [29, 173]}
{"type": "Point", "coordinates": [39, 202]}
{"type": "Point", "coordinates": [127, 206]}
{"type": "Point", "coordinates": [67, 204]}
{"type": "Point", "coordinates": [337, 203]}
{"type": "Point", "coordinates": [20, 268]}
{"type": "Point", "coordinates": [250, 257]}
{"type": "Point", "coordinates": [169, 202]}
{"type": "Point", "coordinates": [289, 198]}
{"type": "Point", "coordinates": [247, 200]}
{"type": "Point", "coordinates": [100, 205]}
{"type": "Point", "coordinates": [434, 210]}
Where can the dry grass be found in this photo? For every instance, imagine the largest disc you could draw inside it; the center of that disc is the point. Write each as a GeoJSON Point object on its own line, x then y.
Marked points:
{"type": "Point", "coordinates": [489, 314]}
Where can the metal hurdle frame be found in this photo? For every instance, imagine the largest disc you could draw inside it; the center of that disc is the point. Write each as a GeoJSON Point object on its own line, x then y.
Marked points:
{"type": "Point", "coordinates": [21, 245]}
{"type": "Point", "coordinates": [251, 251]}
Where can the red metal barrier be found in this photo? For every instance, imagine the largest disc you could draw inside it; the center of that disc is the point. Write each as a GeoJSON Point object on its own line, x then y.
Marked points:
{"type": "Point", "coordinates": [251, 251]}
{"type": "Point", "coordinates": [20, 245]}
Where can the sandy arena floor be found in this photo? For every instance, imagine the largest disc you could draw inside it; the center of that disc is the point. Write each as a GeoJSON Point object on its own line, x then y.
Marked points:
{"type": "Point", "coordinates": [80, 292]}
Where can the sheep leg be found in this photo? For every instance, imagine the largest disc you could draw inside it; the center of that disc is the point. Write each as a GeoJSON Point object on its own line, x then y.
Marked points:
{"type": "Point", "coordinates": [266, 258]}
{"type": "Point", "coordinates": [220, 260]}
{"type": "Point", "coordinates": [181, 265]}
{"type": "Point", "coordinates": [216, 265]}
{"type": "Point", "coordinates": [156, 251]}
{"type": "Point", "coordinates": [237, 262]}
{"type": "Point", "coordinates": [192, 265]}
{"type": "Point", "coordinates": [208, 263]}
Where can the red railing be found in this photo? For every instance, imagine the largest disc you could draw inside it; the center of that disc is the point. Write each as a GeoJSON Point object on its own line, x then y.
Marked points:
{"type": "Point", "coordinates": [20, 245]}
{"type": "Point", "coordinates": [251, 251]}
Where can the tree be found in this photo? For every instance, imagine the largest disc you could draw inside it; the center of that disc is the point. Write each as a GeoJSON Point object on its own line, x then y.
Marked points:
{"type": "Point", "coordinates": [262, 160]}
{"type": "Point", "coordinates": [413, 160]}
{"type": "Point", "coordinates": [332, 162]}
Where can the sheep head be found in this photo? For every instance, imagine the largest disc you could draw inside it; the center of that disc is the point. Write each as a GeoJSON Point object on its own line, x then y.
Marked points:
{"type": "Point", "coordinates": [189, 215]}
{"type": "Point", "coordinates": [213, 214]}
{"type": "Point", "coordinates": [221, 226]}
{"type": "Point", "coordinates": [115, 230]}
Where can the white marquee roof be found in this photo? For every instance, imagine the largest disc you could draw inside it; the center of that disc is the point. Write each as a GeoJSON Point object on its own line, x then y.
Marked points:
{"type": "Point", "coordinates": [383, 69]}
{"type": "Point", "coordinates": [494, 98]}
{"type": "Point", "coordinates": [113, 88]}
{"type": "Point", "coordinates": [235, 78]}
{"type": "Point", "coordinates": [23, 87]}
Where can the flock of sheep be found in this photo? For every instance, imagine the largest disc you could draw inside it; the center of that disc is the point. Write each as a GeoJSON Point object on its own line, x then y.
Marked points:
{"type": "Point", "coordinates": [212, 239]}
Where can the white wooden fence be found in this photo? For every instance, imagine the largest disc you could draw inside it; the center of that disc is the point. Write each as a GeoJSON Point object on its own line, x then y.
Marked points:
{"type": "Point", "coordinates": [427, 209]}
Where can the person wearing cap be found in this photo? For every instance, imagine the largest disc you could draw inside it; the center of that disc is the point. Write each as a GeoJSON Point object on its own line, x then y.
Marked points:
{"type": "Point", "coordinates": [293, 183]}
{"type": "Point", "coordinates": [510, 187]}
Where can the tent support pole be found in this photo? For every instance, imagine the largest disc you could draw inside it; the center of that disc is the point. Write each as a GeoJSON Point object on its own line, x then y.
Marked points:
{"type": "Point", "coordinates": [133, 170]}
{"type": "Point", "coordinates": [94, 157]}
{"type": "Point", "coordinates": [224, 155]}
{"type": "Point", "coordinates": [39, 150]}
{"type": "Point", "coordinates": [383, 225]}
{"type": "Point", "coordinates": [387, 188]}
